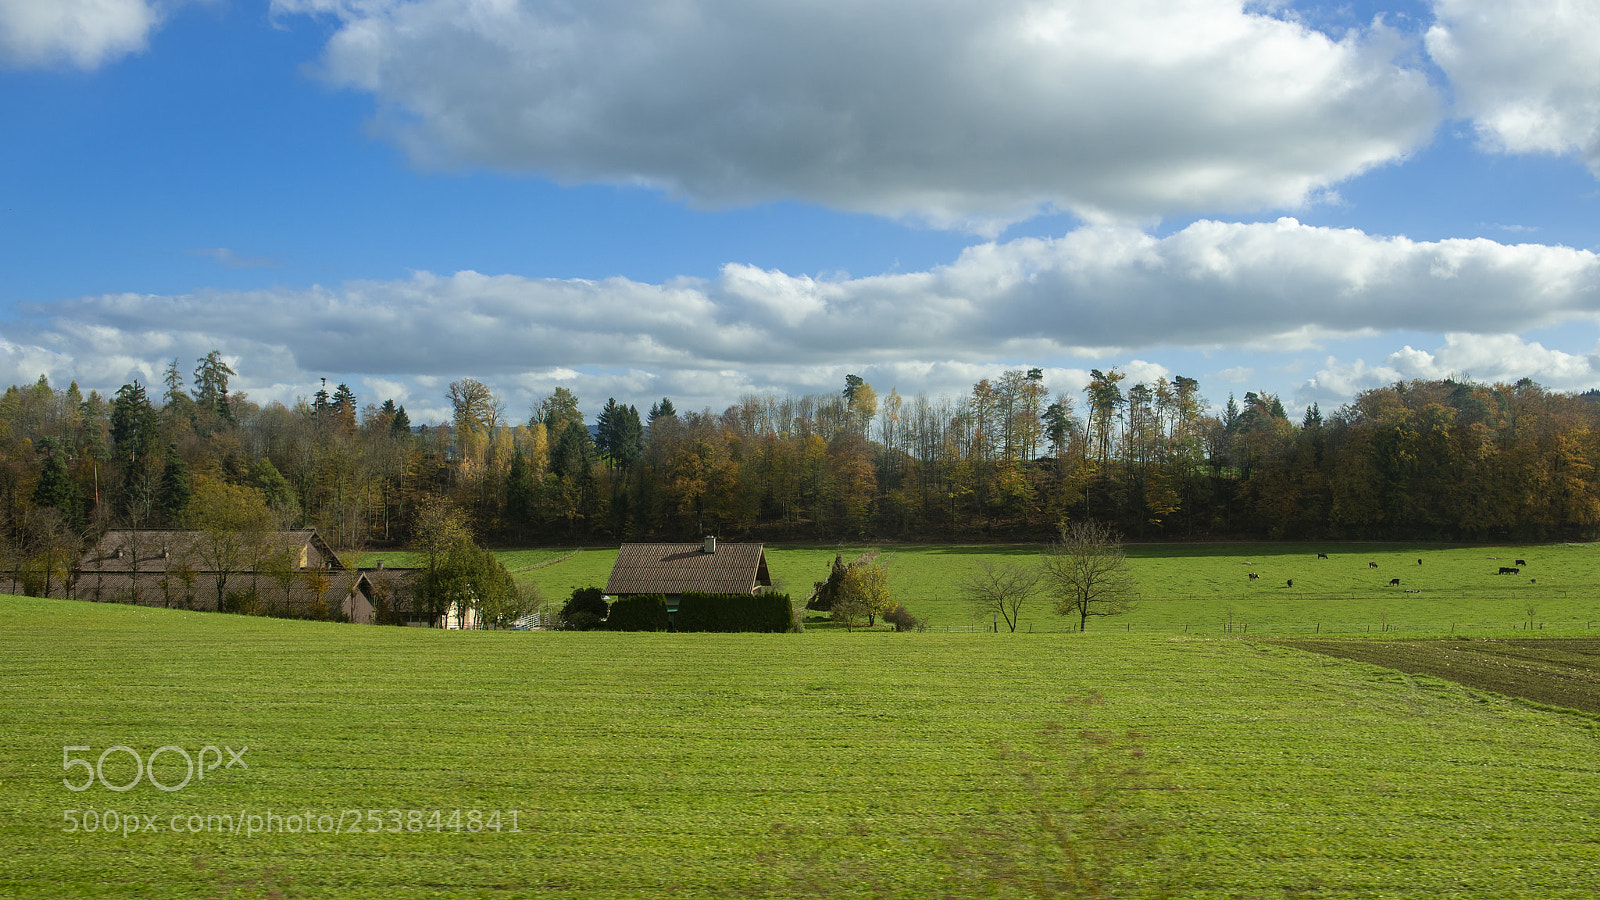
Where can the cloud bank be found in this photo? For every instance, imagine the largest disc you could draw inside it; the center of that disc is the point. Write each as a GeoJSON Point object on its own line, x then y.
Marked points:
{"type": "Point", "coordinates": [1095, 293]}
{"type": "Point", "coordinates": [970, 113]}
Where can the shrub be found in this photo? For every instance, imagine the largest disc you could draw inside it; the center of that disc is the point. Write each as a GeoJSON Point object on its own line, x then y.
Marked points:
{"type": "Point", "coordinates": [645, 612]}
{"type": "Point", "coordinates": [585, 610]}
{"type": "Point", "coordinates": [734, 612]}
{"type": "Point", "coordinates": [902, 619]}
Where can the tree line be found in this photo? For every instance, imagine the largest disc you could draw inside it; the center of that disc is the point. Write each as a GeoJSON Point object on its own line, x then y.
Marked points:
{"type": "Point", "coordinates": [1440, 459]}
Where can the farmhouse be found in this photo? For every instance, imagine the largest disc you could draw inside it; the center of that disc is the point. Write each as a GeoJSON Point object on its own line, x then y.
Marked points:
{"type": "Point", "coordinates": [678, 569]}
{"type": "Point", "coordinates": [289, 572]}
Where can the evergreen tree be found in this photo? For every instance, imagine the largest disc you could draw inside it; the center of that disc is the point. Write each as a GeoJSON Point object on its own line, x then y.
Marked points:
{"type": "Point", "coordinates": [321, 407]}
{"type": "Point", "coordinates": [132, 422]}
{"type": "Point", "coordinates": [211, 385]}
{"type": "Point", "coordinates": [56, 488]}
{"type": "Point", "coordinates": [573, 452]}
{"type": "Point", "coordinates": [619, 435]}
{"type": "Point", "coordinates": [1313, 417]}
{"type": "Point", "coordinates": [522, 494]}
{"type": "Point", "coordinates": [172, 500]}
{"type": "Point", "coordinates": [662, 409]}
{"type": "Point", "coordinates": [401, 426]}
{"type": "Point", "coordinates": [344, 408]}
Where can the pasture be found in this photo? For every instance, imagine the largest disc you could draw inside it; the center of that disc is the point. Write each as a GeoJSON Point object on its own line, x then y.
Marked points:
{"type": "Point", "coordinates": [816, 765]}
{"type": "Point", "coordinates": [1205, 588]}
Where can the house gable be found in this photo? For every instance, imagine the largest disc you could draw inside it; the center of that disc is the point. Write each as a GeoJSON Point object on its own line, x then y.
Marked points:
{"type": "Point", "coordinates": [676, 569]}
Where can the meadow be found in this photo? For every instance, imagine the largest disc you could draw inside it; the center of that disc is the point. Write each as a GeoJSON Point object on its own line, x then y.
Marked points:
{"type": "Point", "coordinates": [822, 764]}
{"type": "Point", "coordinates": [1205, 588]}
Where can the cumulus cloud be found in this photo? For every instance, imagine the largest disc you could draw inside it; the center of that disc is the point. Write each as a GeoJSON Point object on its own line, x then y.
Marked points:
{"type": "Point", "coordinates": [81, 33]}
{"type": "Point", "coordinates": [969, 113]}
{"type": "Point", "coordinates": [1485, 358]}
{"type": "Point", "coordinates": [1524, 71]}
{"type": "Point", "coordinates": [1095, 294]}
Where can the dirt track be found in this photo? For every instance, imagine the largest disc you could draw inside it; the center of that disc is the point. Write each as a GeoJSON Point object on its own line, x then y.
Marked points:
{"type": "Point", "coordinates": [1555, 671]}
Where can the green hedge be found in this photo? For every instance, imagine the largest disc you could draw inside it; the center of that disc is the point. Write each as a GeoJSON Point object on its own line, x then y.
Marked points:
{"type": "Point", "coordinates": [645, 612]}
{"type": "Point", "coordinates": [734, 612]}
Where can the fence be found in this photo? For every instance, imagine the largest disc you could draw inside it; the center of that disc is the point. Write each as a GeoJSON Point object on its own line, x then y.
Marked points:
{"type": "Point", "coordinates": [1241, 628]}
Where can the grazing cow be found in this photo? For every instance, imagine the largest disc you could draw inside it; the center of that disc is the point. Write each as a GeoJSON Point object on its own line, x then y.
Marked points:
{"type": "Point", "coordinates": [1509, 570]}
{"type": "Point", "coordinates": [1254, 576]}
{"type": "Point", "coordinates": [1394, 582]}
{"type": "Point", "coordinates": [1371, 565]}
{"type": "Point", "coordinates": [1322, 556]}
{"type": "Point", "coordinates": [1419, 562]}
{"type": "Point", "coordinates": [1291, 582]}
{"type": "Point", "coordinates": [1533, 581]}
{"type": "Point", "coordinates": [1521, 562]}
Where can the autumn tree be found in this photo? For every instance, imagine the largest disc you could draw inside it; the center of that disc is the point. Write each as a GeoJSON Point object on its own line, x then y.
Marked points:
{"type": "Point", "coordinates": [556, 410]}
{"type": "Point", "coordinates": [458, 575]}
{"type": "Point", "coordinates": [1086, 573]}
{"type": "Point", "coordinates": [234, 523]}
{"type": "Point", "coordinates": [473, 406]}
{"type": "Point", "coordinates": [863, 593]}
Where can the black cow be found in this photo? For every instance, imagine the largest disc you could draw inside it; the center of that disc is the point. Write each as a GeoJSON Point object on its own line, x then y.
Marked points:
{"type": "Point", "coordinates": [1291, 582]}
{"type": "Point", "coordinates": [1394, 582]}
{"type": "Point", "coordinates": [1322, 556]}
{"type": "Point", "coordinates": [1372, 565]}
{"type": "Point", "coordinates": [1522, 562]}
{"type": "Point", "coordinates": [1254, 576]}
{"type": "Point", "coordinates": [1419, 562]}
{"type": "Point", "coordinates": [1509, 570]}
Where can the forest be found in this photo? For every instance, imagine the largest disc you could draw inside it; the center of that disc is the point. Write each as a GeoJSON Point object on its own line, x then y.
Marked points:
{"type": "Point", "coordinates": [1435, 460]}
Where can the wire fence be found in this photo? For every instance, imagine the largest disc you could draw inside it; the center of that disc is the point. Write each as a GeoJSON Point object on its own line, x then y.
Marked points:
{"type": "Point", "coordinates": [1242, 628]}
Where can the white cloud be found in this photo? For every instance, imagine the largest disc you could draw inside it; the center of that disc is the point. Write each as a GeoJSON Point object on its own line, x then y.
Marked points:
{"type": "Point", "coordinates": [1524, 71]}
{"type": "Point", "coordinates": [1089, 298]}
{"type": "Point", "coordinates": [1482, 358]}
{"type": "Point", "coordinates": [82, 33]}
{"type": "Point", "coordinates": [969, 113]}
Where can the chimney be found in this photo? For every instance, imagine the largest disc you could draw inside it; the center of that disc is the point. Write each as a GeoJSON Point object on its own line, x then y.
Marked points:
{"type": "Point", "coordinates": [380, 565]}
{"type": "Point", "coordinates": [711, 543]}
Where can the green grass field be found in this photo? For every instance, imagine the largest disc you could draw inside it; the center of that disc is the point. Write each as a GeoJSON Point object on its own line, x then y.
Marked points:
{"type": "Point", "coordinates": [1200, 588]}
{"type": "Point", "coordinates": [816, 765]}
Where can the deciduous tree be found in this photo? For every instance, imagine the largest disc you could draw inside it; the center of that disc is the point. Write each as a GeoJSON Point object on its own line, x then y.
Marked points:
{"type": "Point", "coordinates": [1086, 573]}
{"type": "Point", "coordinates": [1000, 590]}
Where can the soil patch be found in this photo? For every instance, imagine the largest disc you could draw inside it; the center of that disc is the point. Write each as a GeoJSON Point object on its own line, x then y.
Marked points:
{"type": "Point", "coordinates": [1554, 671]}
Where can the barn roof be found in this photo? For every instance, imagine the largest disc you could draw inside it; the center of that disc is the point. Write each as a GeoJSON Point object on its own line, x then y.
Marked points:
{"type": "Point", "coordinates": [144, 552]}
{"type": "Point", "coordinates": [682, 568]}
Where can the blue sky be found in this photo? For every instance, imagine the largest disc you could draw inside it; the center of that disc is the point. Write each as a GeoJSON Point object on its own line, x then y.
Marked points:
{"type": "Point", "coordinates": [718, 197]}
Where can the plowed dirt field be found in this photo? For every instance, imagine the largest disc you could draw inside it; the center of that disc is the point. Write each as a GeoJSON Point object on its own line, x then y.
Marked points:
{"type": "Point", "coordinates": [1554, 671]}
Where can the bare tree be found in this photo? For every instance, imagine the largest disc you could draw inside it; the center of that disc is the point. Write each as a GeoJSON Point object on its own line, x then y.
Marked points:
{"type": "Point", "coordinates": [1000, 590]}
{"type": "Point", "coordinates": [1087, 574]}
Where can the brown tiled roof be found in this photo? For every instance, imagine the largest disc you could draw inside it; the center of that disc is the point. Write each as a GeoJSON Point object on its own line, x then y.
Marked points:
{"type": "Point", "coordinates": [681, 568]}
{"type": "Point", "coordinates": [156, 550]}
